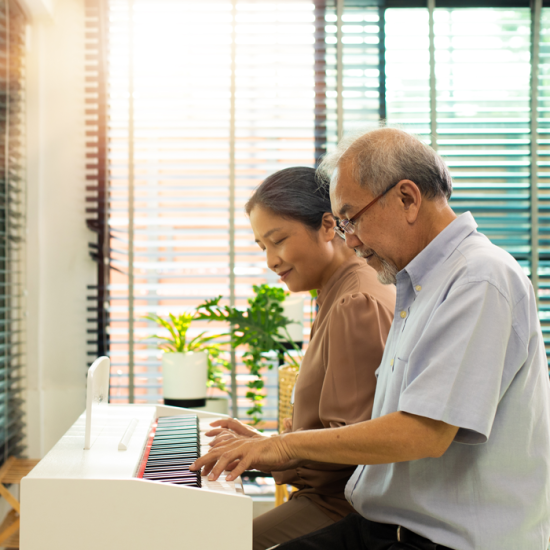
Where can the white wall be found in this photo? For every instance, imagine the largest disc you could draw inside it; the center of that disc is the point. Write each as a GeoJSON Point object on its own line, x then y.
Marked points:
{"type": "Point", "coordinates": [58, 265]}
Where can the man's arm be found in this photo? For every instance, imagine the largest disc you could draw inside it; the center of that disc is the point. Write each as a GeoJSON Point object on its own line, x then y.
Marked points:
{"type": "Point", "coordinates": [396, 437]}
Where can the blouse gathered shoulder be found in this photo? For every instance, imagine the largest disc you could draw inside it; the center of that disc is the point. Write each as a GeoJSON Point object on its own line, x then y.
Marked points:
{"type": "Point", "coordinates": [337, 379]}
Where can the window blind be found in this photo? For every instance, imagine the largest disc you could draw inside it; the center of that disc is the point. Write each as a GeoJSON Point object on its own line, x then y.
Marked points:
{"type": "Point", "coordinates": [214, 96]}
{"type": "Point", "coordinates": [471, 100]}
{"type": "Point", "coordinates": [96, 120]}
{"type": "Point", "coordinates": [543, 173]}
{"type": "Point", "coordinates": [206, 99]}
{"type": "Point", "coordinates": [12, 228]}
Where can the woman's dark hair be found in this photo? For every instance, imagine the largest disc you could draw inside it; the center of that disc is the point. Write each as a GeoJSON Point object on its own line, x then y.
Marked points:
{"type": "Point", "coordinates": [297, 193]}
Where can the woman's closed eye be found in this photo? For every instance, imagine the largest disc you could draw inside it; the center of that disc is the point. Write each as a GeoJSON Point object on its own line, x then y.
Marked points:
{"type": "Point", "coordinates": [280, 240]}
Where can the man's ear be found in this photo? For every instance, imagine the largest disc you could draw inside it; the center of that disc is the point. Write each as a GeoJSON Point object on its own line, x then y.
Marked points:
{"type": "Point", "coordinates": [410, 199]}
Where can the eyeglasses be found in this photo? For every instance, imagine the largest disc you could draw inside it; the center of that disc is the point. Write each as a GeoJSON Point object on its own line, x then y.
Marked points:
{"type": "Point", "coordinates": [348, 226]}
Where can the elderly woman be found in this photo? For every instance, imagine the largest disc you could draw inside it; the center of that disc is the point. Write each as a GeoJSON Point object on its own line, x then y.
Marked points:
{"type": "Point", "coordinates": [291, 217]}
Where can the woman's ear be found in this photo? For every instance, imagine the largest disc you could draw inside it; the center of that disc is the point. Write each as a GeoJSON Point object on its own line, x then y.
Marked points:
{"type": "Point", "coordinates": [327, 226]}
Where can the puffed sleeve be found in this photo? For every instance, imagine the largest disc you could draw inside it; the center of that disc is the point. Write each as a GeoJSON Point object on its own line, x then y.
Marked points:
{"type": "Point", "coordinates": [357, 332]}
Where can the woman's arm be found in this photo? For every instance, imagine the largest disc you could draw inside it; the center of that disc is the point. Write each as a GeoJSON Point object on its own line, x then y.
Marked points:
{"type": "Point", "coordinates": [356, 335]}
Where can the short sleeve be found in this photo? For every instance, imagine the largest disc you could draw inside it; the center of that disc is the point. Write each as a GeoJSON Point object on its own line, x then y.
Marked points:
{"type": "Point", "coordinates": [467, 354]}
{"type": "Point", "coordinates": [357, 332]}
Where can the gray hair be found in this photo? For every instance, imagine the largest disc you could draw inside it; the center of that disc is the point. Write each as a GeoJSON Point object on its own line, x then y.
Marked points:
{"type": "Point", "coordinates": [381, 157]}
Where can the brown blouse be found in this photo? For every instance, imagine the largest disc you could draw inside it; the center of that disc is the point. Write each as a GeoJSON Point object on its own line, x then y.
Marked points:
{"type": "Point", "coordinates": [336, 383]}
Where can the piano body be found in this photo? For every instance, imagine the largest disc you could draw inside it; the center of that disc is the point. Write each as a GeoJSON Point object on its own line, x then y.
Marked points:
{"type": "Point", "coordinates": [84, 499]}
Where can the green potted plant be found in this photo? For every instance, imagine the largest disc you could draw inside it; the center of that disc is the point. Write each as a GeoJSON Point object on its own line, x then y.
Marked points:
{"type": "Point", "coordinates": [189, 366]}
{"type": "Point", "coordinates": [263, 331]}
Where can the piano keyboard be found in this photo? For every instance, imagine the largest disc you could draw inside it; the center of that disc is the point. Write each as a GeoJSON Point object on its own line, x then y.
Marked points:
{"type": "Point", "coordinates": [173, 445]}
{"type": "Point", "coordinates": [132, 488]}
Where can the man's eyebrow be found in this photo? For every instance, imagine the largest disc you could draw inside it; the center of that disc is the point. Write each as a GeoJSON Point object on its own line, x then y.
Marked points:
{"type": "Point", "coordinates": [269, 233]}
{"type": "Point", "coordinates": [345, 208]}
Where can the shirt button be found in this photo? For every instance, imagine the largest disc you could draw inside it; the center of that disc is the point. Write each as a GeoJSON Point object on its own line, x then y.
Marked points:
{"type": "Point", "coordinates": [418, 288]}
{"type": "Point", "coordinates": [403, 314]}
{"type": "Point", "coordinates": [391, 363]}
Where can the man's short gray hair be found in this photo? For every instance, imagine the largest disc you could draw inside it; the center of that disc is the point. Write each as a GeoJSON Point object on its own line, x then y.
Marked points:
{"type": "Point", "coordinates": [384, 156]}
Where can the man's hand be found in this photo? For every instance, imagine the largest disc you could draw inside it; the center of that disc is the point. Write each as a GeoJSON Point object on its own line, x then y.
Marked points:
{"type": "Point", "coordinates": [269, 454]}
{"type": "Point", "coordinates": [229, 429]}
{"type": "Point", "coordinates": [395, 437]}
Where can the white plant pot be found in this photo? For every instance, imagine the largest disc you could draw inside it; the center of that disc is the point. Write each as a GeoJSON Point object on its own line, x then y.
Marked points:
{"type": "Point", "coordinates": [293, 309]}
{"type": "Point", "coordinates": [184, 375]}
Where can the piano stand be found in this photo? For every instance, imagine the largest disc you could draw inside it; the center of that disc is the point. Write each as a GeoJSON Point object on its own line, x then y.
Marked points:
{"type": "Point", "coordinates": [10, 474]}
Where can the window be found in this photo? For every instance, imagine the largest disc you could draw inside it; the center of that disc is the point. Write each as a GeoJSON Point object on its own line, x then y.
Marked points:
{"type": "Point", "coordinates": [208, 98]}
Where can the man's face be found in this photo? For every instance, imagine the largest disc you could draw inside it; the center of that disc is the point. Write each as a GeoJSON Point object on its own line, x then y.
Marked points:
{"type": "Point", "coordinates": [373, 237]}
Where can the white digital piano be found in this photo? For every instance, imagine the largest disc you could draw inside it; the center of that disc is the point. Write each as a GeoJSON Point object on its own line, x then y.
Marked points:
{"type": "Point", "coordinates": [119, 479]}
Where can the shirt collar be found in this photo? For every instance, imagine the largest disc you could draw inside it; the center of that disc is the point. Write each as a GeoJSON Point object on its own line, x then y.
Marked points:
{"type": "Point", "coordinates": [439, 249]}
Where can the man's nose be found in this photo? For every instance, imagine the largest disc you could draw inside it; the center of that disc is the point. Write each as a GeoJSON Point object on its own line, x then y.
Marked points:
{"type": "Point", "coordinates": [352, 240]}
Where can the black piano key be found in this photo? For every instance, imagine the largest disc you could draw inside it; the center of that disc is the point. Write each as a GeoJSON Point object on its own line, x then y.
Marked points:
{"type": "Point", "coordinates": [169, 475]}
{"type": "Point", "coordinates": [174, 440]}
{"type": "Point", "coordinates": [175, 445]}
{"type": "Point", "coordinates": [174, 456]}
{"type": "Point", "coordinates": [173, 460]}
{"type": "Point", "coordinates": [172, 471]}
{"type": "Point", "coordinates": [183, 421]}
{"type": "Point", "coordinates": [175, 472]}
{"type": "Point", "coordinates": [180, 447]}
{"type": "Point", "coordinates": [190, 429]}
{"type": "Point", "coordinates": [174, 449]}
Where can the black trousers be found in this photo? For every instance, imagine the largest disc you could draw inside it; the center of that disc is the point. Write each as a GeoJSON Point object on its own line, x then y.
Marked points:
{"type": "Point", "coordinates": [354, 532]}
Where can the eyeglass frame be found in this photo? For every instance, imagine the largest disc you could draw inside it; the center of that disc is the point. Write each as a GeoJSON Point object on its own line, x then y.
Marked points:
{"type": "Point", "coordinates": [348, 225]}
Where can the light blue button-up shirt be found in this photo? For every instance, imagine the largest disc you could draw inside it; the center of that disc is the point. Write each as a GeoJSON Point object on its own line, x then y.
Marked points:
{"type": "Point", "coordinates": [466, 348]}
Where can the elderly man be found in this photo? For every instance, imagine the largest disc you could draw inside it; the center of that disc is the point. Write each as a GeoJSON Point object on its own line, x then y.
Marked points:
{"type": "Point", "coordinates": [457, 454]}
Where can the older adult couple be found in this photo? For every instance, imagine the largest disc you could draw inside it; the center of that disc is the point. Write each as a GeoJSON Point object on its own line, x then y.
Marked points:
{"type": "Point", "coordinates": [457, 451]}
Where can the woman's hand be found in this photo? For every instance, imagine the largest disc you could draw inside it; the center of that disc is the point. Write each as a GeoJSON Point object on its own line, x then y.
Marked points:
{"type": "Point", "coordinates": [230, 429]}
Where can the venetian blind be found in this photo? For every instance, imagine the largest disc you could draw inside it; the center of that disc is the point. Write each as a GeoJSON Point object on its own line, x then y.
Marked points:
{"type": "Point", "coordinates": [206, 99]}
{"type": "Point", "coordinates": [12, 227]}
{"type": "Point", "coordinates": [471, 100]}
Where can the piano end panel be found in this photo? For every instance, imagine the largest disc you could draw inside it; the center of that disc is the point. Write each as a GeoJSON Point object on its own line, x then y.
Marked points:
{"type": "Point", "coordinates": [112, 514]}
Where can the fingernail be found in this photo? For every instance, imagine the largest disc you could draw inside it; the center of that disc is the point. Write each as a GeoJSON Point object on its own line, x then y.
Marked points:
{"type": "Point", "coordinates": [211, 477]}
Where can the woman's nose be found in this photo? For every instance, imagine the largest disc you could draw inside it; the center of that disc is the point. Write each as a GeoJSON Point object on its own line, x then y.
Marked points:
{"type": "Point", "coordinates": [273, 261]}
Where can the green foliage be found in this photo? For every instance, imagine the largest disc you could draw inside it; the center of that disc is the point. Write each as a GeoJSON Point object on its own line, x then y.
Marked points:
{"type": "Point", "coordinates": [177, 327]}
{"type": "Point", "coordinates": [257, 328]}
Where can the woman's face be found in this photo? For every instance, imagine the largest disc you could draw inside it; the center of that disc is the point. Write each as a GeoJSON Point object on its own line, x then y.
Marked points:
{"type": "Point", "coordinates": [297, 254]}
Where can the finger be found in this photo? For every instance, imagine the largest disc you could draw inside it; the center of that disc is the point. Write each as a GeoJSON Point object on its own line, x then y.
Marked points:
{"type": "Point", "coordinates": [221, 465]}
{"type": "Point", "coordinates": [230, 452]}
{"type": "Point", "coordinates": [207, 469]}
{"type": "Point", "coordinates": [232, 465]}
{"type": "Point", "coordinates": [221, 439]}
{"type": "Point", "coordinates": [241, 466]}
{"type": "Point", "coordinates": [217, 431]}
{"type": "Point", "coordinates": [236, 426]}
{"type": "Point", "coordinates": [221, 423]}
{"type": "Point", "coordinates": [209, 458]}
{"type": "Point", "coordinates": [225, 422]}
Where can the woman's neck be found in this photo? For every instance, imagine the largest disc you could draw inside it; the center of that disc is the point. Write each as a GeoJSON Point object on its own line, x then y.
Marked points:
{"type": "Point", "coordinates": [341, 255]}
